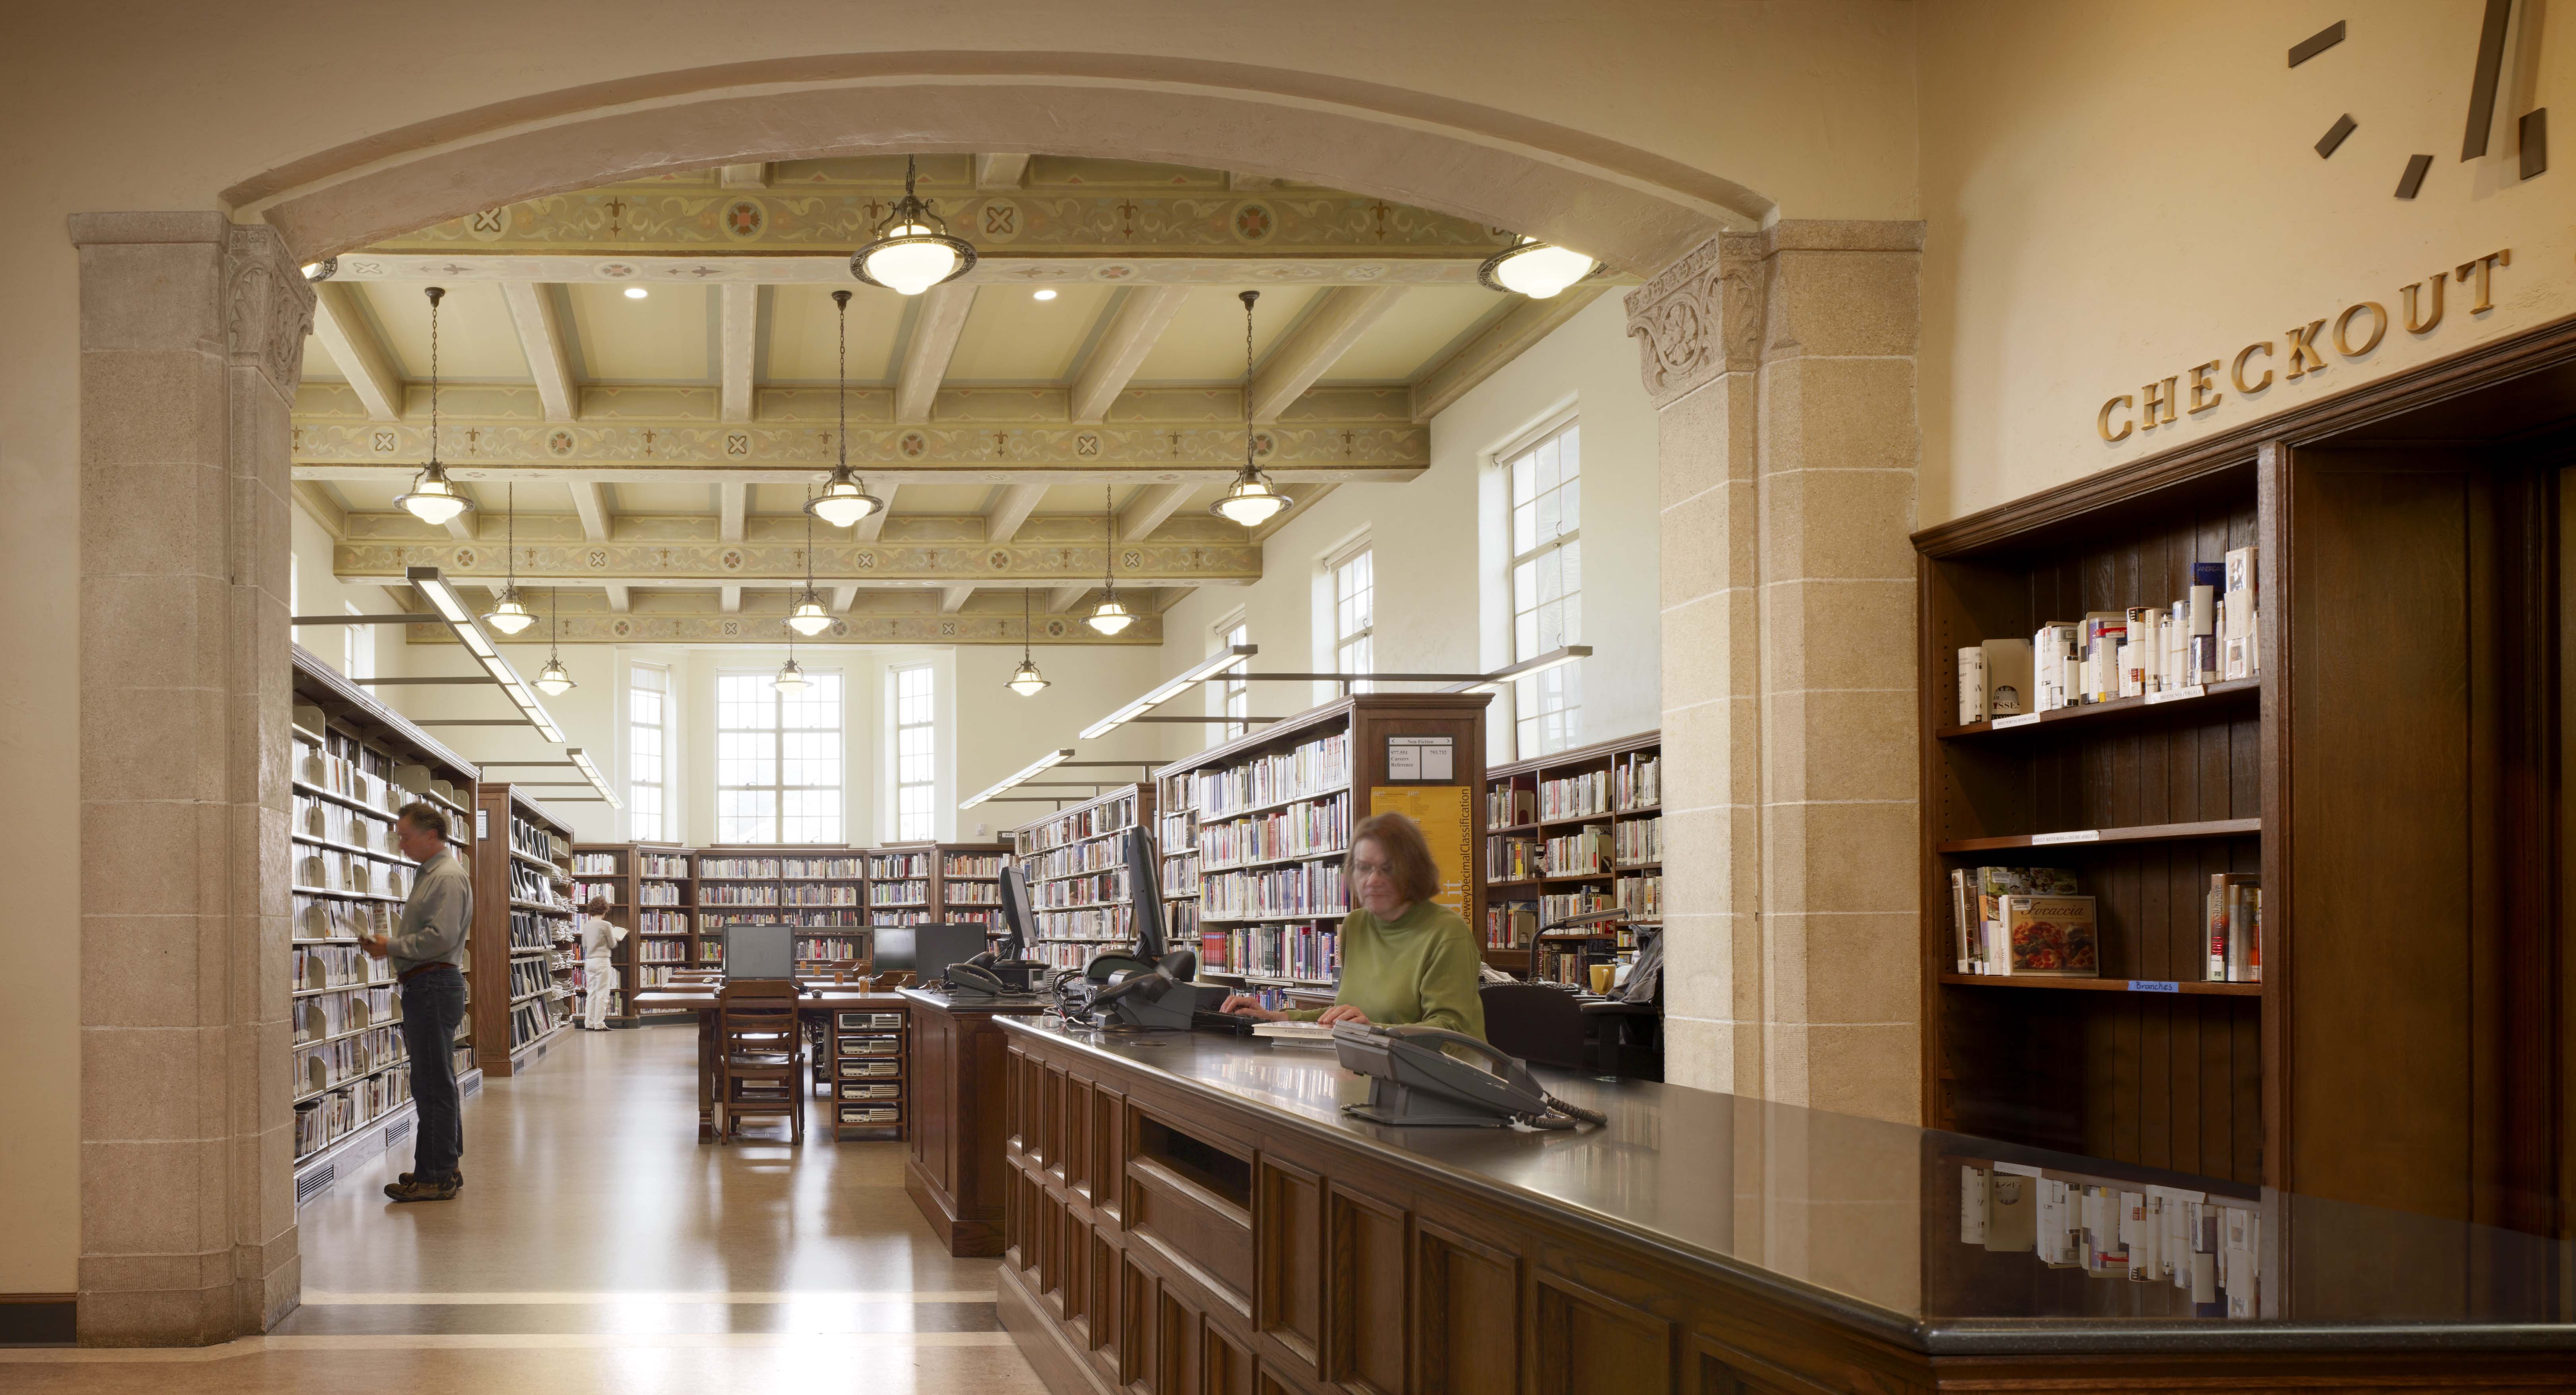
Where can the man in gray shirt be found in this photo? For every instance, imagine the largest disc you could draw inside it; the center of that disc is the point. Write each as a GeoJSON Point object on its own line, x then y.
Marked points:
{"type": "Point", "coordinates": [428, 950]}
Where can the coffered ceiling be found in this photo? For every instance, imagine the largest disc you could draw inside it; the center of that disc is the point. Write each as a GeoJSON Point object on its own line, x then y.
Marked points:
{"type": "Point", "coordinates": [660, 446]}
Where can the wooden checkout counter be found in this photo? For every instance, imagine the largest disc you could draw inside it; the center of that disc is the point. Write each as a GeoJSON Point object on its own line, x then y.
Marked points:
{"type": "Point", "coordinates": [1192, 1212]}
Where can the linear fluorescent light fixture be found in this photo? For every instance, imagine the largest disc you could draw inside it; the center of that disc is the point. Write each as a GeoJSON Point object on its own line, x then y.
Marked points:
{"type": "Point", "coordinates": [1169, 689]}
{"type": "Point", "coordinates": [1554, 658]}
{"type": "Point", "coordinates": [1046, 762]}
{"type": "Point", "coordinates": [590, 772]}
{"type": "Point", "coordinates": [430, 582]}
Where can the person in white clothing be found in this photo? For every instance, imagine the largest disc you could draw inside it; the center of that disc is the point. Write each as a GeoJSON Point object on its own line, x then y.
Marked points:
{"type": "Point", "coordinates": [598, 969]}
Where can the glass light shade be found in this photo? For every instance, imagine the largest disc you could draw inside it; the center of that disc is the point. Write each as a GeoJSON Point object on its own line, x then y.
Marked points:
{"type": "Point", "coordinates": [510, 615]}
{"type": "Point", "coordinates": [1536, 269]}
{"type": "Point", "coordinates": [433, 500]}
{"type": "Point", "coordinates": [553, 681]}
{"type": "Point", "coordinates": [1251, 501]}
{"type": "Point", "coordinates": [790, 679]}
{"type": "Point", "coordinates": [809, 618]}
{"type": "Point", "coordinates": [909, 260]}
{"type": "Point", "coordinates": [1109, 617]}
{"type": "Point", "coordinates": [1026, 680]}
{"type": "Point", "coordinates": [843, 503]}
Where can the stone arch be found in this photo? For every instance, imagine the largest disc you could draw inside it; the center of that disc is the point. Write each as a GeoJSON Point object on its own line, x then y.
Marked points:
{"type": "Point", "coordinates": [1636, 210]}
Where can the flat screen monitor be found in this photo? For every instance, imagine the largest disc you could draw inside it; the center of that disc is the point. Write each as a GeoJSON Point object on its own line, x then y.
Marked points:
{"type": "Point", "coordinates": [1017, 923]}
{"type": "Point", "coordinates": [1145, 892]}
{"type": "Point", "coordinates": [926, 950]}
{"type": "Point", "coordinates": [761, 949]}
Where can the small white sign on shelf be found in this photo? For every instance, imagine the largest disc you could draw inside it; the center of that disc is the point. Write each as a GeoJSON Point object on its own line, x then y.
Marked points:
{"type": "Point", "coordinates": [2001, 723]}
{"type": "Point", "coordinates": [1420, 758]}
{"type": "Point", "coordinates": [2082, 835]}
{"type": "Point", "coordinates": [2177, 694]}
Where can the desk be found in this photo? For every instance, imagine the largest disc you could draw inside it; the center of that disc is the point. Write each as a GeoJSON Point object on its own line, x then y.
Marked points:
{"type": "Point", "coordinates": [1193, 1211]}
{"type": "Point", "coordinates": [817, 1003]}
{"type": "Point", "coordinates": [955, 1173]}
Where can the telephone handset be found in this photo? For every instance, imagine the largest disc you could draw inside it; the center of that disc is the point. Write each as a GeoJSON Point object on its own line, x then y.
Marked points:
{"type": "Point", "coordinates": [1413, 1083]}
{"type": "Point", "coordinates": [1144, 997]}
{"type": "Point", "coordinates": [993, 976]}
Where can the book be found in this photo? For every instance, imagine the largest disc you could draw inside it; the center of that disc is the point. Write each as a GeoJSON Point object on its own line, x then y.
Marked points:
{"type": "Point", "coordinates": [1295, 1033]}
{"type": "Point", "coordinates": [1963, 921]}
{"type": "Point", "coordinates": [2008, 678]}
{"type": "Point", "coordinates": [1986, 889]}
{"type": "Point", "coordinates": [2056, 650]}
{"type": "Point", "coordinates": [2237, 620]}
{"type": "Point", "coordinates": [2012, 1207]}
{"type": "Point", "coordinates": [2221, 902]}
{"type": "Point", "coordinates": [2206, 579]}
{"type": "Point", "coordinates": [2104, 632]}
{"type": "Point", "coordinates": [1972, 685]}
{"type": "Point", "coordinates": [2050, 936]}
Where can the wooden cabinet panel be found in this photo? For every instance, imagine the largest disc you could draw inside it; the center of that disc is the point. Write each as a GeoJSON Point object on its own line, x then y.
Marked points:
{"type": "Point", "coordinates": [1109, 1131]}
{"type": "Point", "coordinates": [1178, 1335]}
{"type": "Point", "coordinates": [1466, 1306]}
{"type": "Point", "coordinates": [1138, 1303]}
{"type": "Point", "coordinates": [1288, 1207]}
{"type": "Point", "coordinates": [1588, 1344]}
{"type": "Point", "coordinates": [1367, 1294]}
{"type": "Point", "coordinates": [1077, 1134]}
{"type": "Point", "coordinates": [1105, 1293]}
{"type": "Point", "coordinates": [1228, 1364]}
{"type": "Point", "coordinates": [1192, 1228]}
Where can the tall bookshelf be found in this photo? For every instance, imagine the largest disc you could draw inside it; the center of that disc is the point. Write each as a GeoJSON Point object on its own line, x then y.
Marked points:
{"type": "Point", "coordinates": [665, 914]}
{"type": "Point", "coordinates": [524, 941]}
{"type": "Point", "coordinates": [1268, 817]}
{"type": "Point", "coordinates": [970, 883]}
{"type": "Point", "coordinates": [614, 869]}
{"type": "Point", "coordinates": [355, 764]}
{"type": "Point", "coordinates": [1077, 878]}
{"type": "Point", "coordinates": [1568, 834]}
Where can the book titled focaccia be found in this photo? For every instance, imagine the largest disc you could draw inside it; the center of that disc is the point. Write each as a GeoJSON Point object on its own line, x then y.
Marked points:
{"type": "Point", "coordinates": [2050, 935]}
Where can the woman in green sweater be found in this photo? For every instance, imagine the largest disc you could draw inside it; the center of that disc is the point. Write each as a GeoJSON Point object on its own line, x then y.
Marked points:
{"type": "Point", "coordinates": [1405, 957]}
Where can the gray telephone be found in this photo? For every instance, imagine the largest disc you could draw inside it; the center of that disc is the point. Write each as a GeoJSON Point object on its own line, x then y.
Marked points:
{"type": "Point", "coordinates": [1415, 1084]}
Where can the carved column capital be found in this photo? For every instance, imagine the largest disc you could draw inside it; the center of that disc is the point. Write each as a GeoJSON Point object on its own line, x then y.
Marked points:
{"type": "Point", "coordinates": [268, 305]}
{"type": "Point", "coordinates": [1700, 317]}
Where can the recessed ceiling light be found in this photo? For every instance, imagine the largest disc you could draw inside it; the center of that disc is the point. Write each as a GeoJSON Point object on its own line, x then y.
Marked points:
{"type": "Point", "coordinates": [1042, 294]}
{"type": "Point", "coordinates": [636, 293]}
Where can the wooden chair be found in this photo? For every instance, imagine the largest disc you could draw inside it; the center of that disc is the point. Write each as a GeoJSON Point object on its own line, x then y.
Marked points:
{"type": "Point", "coordinates": [1538, 1023]}
{"type": "Point", "coordinates": [760, 1056]}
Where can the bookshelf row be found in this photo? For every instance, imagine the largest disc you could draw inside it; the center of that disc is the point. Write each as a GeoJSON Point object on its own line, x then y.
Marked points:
{"type": "Point", "coordinates": [1569, 835]}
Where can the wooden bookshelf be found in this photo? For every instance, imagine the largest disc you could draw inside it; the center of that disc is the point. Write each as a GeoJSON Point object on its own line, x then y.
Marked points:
{"type": "Point", "coordinates": [1611, 791]}
{"type": "Point", "coordinates": [968, 883]}
{"type": "Point", "coordinates": [525, 947]}
{"type": "Point", "coordinates": [1269, 815]}
{"type": "Point", "coordinates": [665, 914]}
{"type": "Point", "coordinates": [354, 764]}
{"type": "Point", "coordinates": [1076, 875]}
{"type": "Point", "coordinates": [615, 868]}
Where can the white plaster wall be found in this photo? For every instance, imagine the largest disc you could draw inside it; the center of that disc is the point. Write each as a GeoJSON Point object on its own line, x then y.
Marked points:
{"type": "Point", "coordinates": [1441, 550]}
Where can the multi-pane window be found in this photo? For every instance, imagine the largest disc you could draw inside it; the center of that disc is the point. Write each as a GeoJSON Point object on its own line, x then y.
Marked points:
{"type": "Point", "coordinates": [1353, 629]}
{"type": "Point", "coordinates": [914, 783]}
{"type": "Point", "coordinates": [648, 754]}
{"type": "Point", "coordinates": [1235, 688]}
{"type": "Point", "coordinates": [778, 760]}
{"type": "Point", "coordinates": [1547, 586]}
{"type": "Point", "coordinates": [357, 647]}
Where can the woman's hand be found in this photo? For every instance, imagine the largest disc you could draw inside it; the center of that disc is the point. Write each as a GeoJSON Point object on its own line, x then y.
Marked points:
{"type": "Point", "coordinates": [1242, 1005]}
{"type": "Point", "coordinates": [1341, 1012]}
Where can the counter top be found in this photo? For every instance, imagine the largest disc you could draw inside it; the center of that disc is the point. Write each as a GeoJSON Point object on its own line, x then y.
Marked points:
{"type": "Point", "coordinates": [1860, 1220]}
{"type": "Point", "coordinates": [976, 1002]}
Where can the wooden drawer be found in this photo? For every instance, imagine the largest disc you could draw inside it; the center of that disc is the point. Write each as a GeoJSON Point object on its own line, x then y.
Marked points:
{"type": "Point", "coordinates": [871, 1090]}
{"type": "Point", "coordinates": [868, 1046]}
{"type": "Point", "coordinates": [866, 1021]}
{"type": "Point", "coordinates": [872, 1115]}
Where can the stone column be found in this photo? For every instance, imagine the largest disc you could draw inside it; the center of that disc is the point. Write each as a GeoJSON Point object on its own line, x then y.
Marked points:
{"type": "Point", "coordinates": [1782, 363]}
{"type": "Point", "coordinates": [192, 334]}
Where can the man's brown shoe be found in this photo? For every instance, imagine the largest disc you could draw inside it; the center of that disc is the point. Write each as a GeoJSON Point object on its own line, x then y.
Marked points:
{"type": "Point", "coordinates": [408, 1190]}
{"type": "Point", "coordinates": [457, 1179]}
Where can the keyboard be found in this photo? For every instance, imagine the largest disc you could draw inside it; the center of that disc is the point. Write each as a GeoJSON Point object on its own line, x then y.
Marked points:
{"type": "Point", "coordinates": [1204, 1021]}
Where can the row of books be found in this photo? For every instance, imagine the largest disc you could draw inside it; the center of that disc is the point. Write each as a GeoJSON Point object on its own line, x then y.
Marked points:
{"type": "Point", "coordinates": [1059, 954]}
{"type": "Point", "coordinates": [1510, 806]}
{"type": "Point", "coordinates": [2211, 634]}
{"type": "Point", "coordinates": [1554, 911]}
{"type": "Point", "coordinates": [658, 894]}
{"type": "Point", "coordinates": [613, 892]}
{"type": "Point", "coordinates": [819, 868]}
{"type": "Point", "coordinates": [751, 868]}
{"type": "Point", "coordinates": [986, 866]}
{"type": "Point", "coordinates": [662, 922]}
{"type": "Point", "coordinates": [1090, 923]}
{"type": "Point", "coordinates": [329, 869]}
{"type": "Point", "coordinates": [529, 884]}
{"type": "Point", "coordinates": [336, 1114]}
{"type": "Point", "coordinates": [1510, 924]}
{"type": "Point", "coordinates": [1071, 861]}
{"type": "Point", "coordinates": [1180, 919]}
{"type": "Point", "coordinates": [971, 894]}
{"type": "Point", "coordinates": [2232, 917]}
{"type": "Point", "coordinates": [330, 1014]}
{"type": "Point", "coordinates": [832, 949]}
{"type": "Point", "coordinates": [658, 975]}
{"type": "Point", "coordinates": [528, 976]}
{"type": "Point", "coordinates": [531, 1020]}
{"type": "Point", "coordinates": [1314, 828]}
{"type": "Point", "coordinates": [1303, 888]}
{"type": "Point", "coordinates": [897, 865]}
{"type": "Point", "coordinates": [915, 892]}
{"type": "Point", "coordinates": [330, 918]}
{"type": "Point", "coordinates": [338, 823]}
{"type": "Point", "coordinates": [662, 952]}
{"type": "Point", "coordinates": [594, 864]}
{"type": "Point", "coordinates": [2022, 920]}
{"type": "Point", "coordinates": [1638, 840]}
{"type": "Point", "coordinates": [531, 930]}
{"type": "Point", "coordinates": [1512, 858]}
{"type": "Point", "coordinates": [664, 864]}
{"type": "Point", "coordinates": [1180, 876]}
{"type": "Point", "coordinates": [1641, 897]}
{"type": "Point", "coordinates": [1091, 890]}
{"type": "Point", "coordinates": [1582, 852]}
{"type": "Point", "coordinates": [1084, 823]}
{"type": "Point", "coordinates": [1637, 781]}
{"type": "Point", "coordinates": [538, 841]}
{"type": "Point", "coordinates": [1308, 952]}
{"type": "Point", "coordinates": [1314, 768]}
{"type": "Point", "coordinates": [345, 778]}
{"type": "Point", "coordinates": [1574, 796]}
{"type": "Point", "coordinates": [737, 894]}
{"type": "Point", "coordinates": [319, 1067]}
{"type": "Point", "coordinates": [819, 894]}
{"type": "Point", "coordinates": [2168, 1235]}
{"type": "Point", "coordinates": [338, 966]}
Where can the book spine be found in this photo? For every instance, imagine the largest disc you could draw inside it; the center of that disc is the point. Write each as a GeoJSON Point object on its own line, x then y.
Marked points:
{"type": "Point", "coordinates": [2204, 621]}
{"type": "Point", "coordinates": [2216, 918]}
{"type": "Point", "coordinates": [1960, 919]}
{"type": "Point", "coordinates": [1972, 685]}
{"type": "Point", "coordinates": [2240, 940]}
{"type": "Point", "coordinates": [2254, 935]}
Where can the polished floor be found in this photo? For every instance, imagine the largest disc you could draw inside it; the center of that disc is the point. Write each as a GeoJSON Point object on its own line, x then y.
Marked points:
{"type": "Point", "coordinates": [598, 1247]}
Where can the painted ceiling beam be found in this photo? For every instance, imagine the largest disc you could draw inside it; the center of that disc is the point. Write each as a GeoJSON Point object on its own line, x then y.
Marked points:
{"type": "Point", "coordinates": [996, 174]}
{"type": "Point", "coordinates": [1350, 265]}
{"type": "Point", "coordinates": [731, 604]}
{"type": "Point", "coordinates": [590, 501]}
{"type": "Point", "coordinates": [1152, 504]}
{"type": "Point", "coordinates": [1504, 340]}
{"type": "Point", "coordinates": [541, 339]}
{"type": "Point", "coordinates": [739, 338]}
{"type": "Point", "coordinates": [1143, 316]}
{"type": "Point", "coordinates": [340, 322]}
{"type": "Point", "coordinates": [844, 595]}
{"type": "Point", "coordinates": [730, 501]}
{"type": "Point", "coordinates": [621, 598]}
{"type": "Point", "coordinates": [467, 526]}
{"type": "Point", "coordinates": [934, 342]}
{"type": "Point", "coordinates": [1335, 322]}
{"type": "Point", "coordinates": [1062, 598]}
{"type": "Point", "coordinates": [1018, 501]}
{"type": "Point", "coordinates": [323, 502]}
{"type": "Point", "coordinates": [742, 176]}
{"type": "Point", "coordinates": [952, 599]}
{"type": "Point", "coordinates": [872, 527]}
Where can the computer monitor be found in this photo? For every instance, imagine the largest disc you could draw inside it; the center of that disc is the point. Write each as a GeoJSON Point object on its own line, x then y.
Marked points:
{"type": "Point", "coordinates": [759, 949]}
{"type": "Point", "coordinates": [926, 950]}
{"type": "Point", "coordinates": [1019, 926]}
{"type": "Point", "coordinates": [1145, 893]}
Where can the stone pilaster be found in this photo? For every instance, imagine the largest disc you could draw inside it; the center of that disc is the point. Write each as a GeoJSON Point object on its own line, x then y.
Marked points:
{"type": "Point", "coordinates": [191, 343]}
{"type": "Point", "coordinates": [1783, 366]}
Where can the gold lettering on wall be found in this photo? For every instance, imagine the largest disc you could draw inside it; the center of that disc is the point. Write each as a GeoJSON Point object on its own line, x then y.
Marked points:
{"type": "Point", "coordinates": [2204, 393]}
{"type": "Point", "coordinates": [2430, 322]}
{"type": "Point", "coordinates": [2102, 422]}
{"type": "Point", "coordinates": [2261, 346]}
{"type": "Point", "coordinates": [2155, 404]}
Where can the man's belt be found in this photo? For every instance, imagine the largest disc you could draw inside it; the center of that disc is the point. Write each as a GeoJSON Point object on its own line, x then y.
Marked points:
{"type": "Point", "coordinates": [417, 970]}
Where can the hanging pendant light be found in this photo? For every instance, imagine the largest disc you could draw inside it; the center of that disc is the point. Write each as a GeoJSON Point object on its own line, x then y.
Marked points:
{"type": "Point", "coordinates": [809, 618]}
{"type": "Point", "coordinates": [1026, 680]}
{"type": "Point", "coordinates": [1108, 617]}
{"type": "Point", "coordinates": [1535, 269]}
{"type": "Point", "coordinates": [845, 499]}
{"type": "Point", "coordinates": [909, 255]}
{"type": "Point", "coordinates": [1252, 499]}
{"type": "Point", "coordinates": [433, 498]}
{"type": "Point", "coordinates": [790, 679]}
{"type": "Point", "coordinates": [554, 680]}
{"type": "Point", "coordinates": [510, 614]}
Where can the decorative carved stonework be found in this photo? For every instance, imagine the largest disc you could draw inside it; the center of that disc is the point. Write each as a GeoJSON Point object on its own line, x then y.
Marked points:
{"type": "Point", "coordinates": [268, 307]}
{"type": "Point", "coordinates": [1699, 317]}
